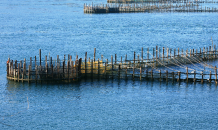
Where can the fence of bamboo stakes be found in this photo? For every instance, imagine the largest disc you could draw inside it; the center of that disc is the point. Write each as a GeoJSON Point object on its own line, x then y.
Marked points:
{"type": "Point", "coordinates": [150, 68]}
{"type": "Point", "coordinates": [151, 6]}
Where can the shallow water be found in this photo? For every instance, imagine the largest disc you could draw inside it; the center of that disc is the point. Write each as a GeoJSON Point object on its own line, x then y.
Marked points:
{"type": "Point", "coordinates": [61, 27]}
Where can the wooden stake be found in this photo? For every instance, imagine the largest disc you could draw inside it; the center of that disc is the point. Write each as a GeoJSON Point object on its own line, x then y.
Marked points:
{"type": "Point", "coordinates": [187, 74]}
{"type": "Point", "coordinates": [94, 53]}
{"type": "Point", "coordinates": [40, 56]}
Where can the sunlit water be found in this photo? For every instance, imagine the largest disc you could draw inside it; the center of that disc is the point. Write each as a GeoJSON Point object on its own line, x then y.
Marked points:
{"type": "Point", "coordinates": [61, 27]}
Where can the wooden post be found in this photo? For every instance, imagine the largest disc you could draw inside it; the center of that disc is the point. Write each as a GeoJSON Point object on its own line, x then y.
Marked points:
{"type": "Point", "coordinates": [18, 73]}
{"type": "Point", "coordinates": [210, 77]}
{"type": "Point", "coordinates": [112, 67]}
{"type": "Point", "coordinates": [174, 53]}
{"type": "Point", "coordinates": [147, 73]}
{"type": "Point", "coordinates": [52, 72]}
{"type": "Point", "coordinates": [187, 74]}
{"type": "Point", "coordinates": [115, 59]}
{"type": "Point", "coordinates": [173, 76]}
{"type": "Point", "coordinates": [151, 74]}
{"type": "Point", "coordinates": [63, 68]}
{"type": "Point", "coordinates": [163, 54]}
{"type": "Point", "coordinates": [125, 58]}
{"type": "Point", "coordinates": [68, 70]}
{"type": "Point", "coordinates": [182, 53]}
{"type": "Point", "coordinates": [121, 62]}
{"type": "Point", "coordinates": [72, 69]}
{"type": "Point", "coordinates": [94, 53]}
{"type": "Point", "coordinates": [160, 74]}
{"type": "Point", "coordinates": [24, 68]}
{"type": "Point", "coordinates": [142, 55]}
{"type": "Point", "coordinates": [215, 75]}
{"type": "Point", "coordinates": [29, 74]}
{"type": "Point", "coordinates": [202, 80]}
{"type": "Point", "coordinates": [105, 69]}
{"type": "Point", "coordinates": [166, 75]}
{"type": "Point", "coordinates": [190, 52]}
{"type": "Point", "coordinates": [40, 56]}
{"type": "Point", "coordinates": [119, 72]}
{"type": "Point", "coordinates": [156, 52]}
{"type": "Point", "coordinates": [36, 69]}
{"type": "Point", "coordinates": [85, 63]}
{"type": "Point", "coordinates": [98, 69]}
{"type": "Point", "coordinates": [194, 76]}
{"type": "Point", "coordinates": [45, 60]}
{"type": "Point", "coordinates": [179, 73]}
{"type": "Point", "coordinates": [15, 68]}
{"type": "Point", "coordinates": [178, 51]}
{"type": "Point", "coordinates": [35, 60]}
{"type": "Point", "coordinates": [92, 68]}
{"type": "Point", "coordinates": [140, 73]}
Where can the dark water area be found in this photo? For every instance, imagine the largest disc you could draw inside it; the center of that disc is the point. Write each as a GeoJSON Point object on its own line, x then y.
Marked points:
{"type": "Point", "coordinates": [60, 27]}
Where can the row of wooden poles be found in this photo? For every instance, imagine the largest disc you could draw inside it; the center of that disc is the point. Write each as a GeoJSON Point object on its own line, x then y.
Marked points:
{"type": "Point", "coordinates": [189, 6]}
{"type": "Point", "coordinates": [44, 70]}
{"type": "Point", "coordinates": [160, 1]}
{"type": "Point", "coordinates": [67, 70]}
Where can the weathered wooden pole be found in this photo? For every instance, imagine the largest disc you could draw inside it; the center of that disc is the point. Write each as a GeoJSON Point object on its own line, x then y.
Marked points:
{"type": "Point", "coordinates": [68, 70]}
{"type": "Point", "coordinates": [63, 68]}
{"type": "Point", "coordinates": [35, 60]}
{"type": "Point", "coordinates": [140, 73]}
{"type": "Point", "coordinates": [194, 76]}
{"type": "Point", "coordinates": [18, 73]}
{"type": "Point", "coordinates": [115, 59]}
{"type": "Point", "coordinates": [112, 67]}
{"type": "Point", "coordinates": [163, 54]}
{"type": "Point", "coordinates": [119, 72]}
{"type": "Point", "coordinates": [105, 69]}
{"type": "Point", "coordinates": [202, 79]}
{"type": "Point", "coordinates": [156, 52]}
{"type": "Point", "coordinates": [190, 52]}
{"type": "Point", "coordinates": [36, 75]}
{"type": "Point", "coordinates": [160, 74]}
{"type": "Point", "coordinates": [98, 69]}
{"type": "Point", "coordinates": [166, 75]}
{"type": "Point", "coordinates": [52, 74]}
{"type": "Point", "coordinates": [179, 74]}
{"type": "Point", "coordinates": [178, 51]}
{"type": "Point", "coordinates": [85, 63]}
{"type": "Point", "coordinates": [15, 68]}
{"type": "Point", "coordinates": [72, 69]}
{"type": "Point", "coordinates": [142, 55]}
{"type": "Point", "coordinates": [187, 74]}
{"type": "Point", "coordinates": [173, 76]}
{"type": "Point", "coordinates": [125, 58]}
{"type": "Point", "coordinates": [40, 57]}
{"type": "Point", "coordinates": [94, 53]}
{"type": "Point", "coordinates": [210, 77]}
{"type": "Point", "coordinates": [215, 75]}
{"type": "Point", "coordinates": [29, 74]}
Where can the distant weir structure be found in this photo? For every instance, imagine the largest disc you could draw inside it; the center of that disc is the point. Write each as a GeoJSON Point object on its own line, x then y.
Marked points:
{"type": "Point", "coordinates": [161, 64]}
{"type": "Point", "coordinates": [128, 6]}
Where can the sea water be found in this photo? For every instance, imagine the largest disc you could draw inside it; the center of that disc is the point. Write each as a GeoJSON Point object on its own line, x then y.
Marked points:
{"type": "Point", "coordinates": [60, 27]}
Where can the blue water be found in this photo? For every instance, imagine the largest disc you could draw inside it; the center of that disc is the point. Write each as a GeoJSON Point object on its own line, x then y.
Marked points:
{"type": "Point", "coordinates": [60, 27]}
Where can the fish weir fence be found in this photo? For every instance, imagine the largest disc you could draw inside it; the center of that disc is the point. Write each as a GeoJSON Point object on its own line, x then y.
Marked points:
{"type": "Point", "coordinates": [161, 64]}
